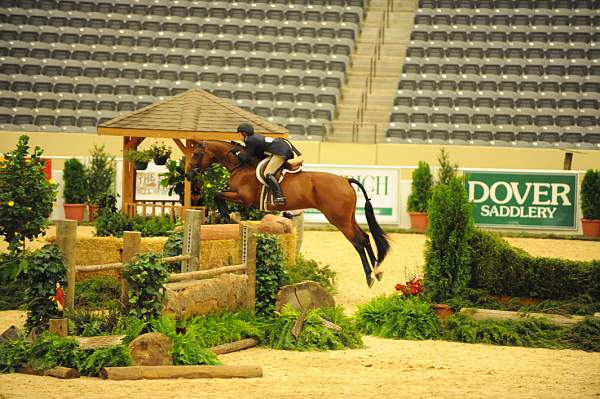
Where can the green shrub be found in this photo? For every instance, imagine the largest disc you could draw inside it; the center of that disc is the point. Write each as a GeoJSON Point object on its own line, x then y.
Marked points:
{"type": "Point", "coordinates": [46, 269]}
{"type": "Point", "coordinates": [314, 334]}
{"type": "Point", "coordinates": [309, 269]}
{"type": "Point", "coordinates": [111, 223]}
{"type": "Point", "coordinates": [398, 316]}
{"type": "Point", "coordinates": [146, 277]}
{"type": "Point", "coordinates": [114, 356]}
{"type": "Point", "coordinates": [529, 332]}
{"type": "Point", "coordinates": [151, 226]}
{"type": "Point", "coordinates": [97, 292]}
{"type": "Point", "coordinates": [585, 335]}
{"type": "Point", "coordinates": [100, 174]}
{"type": "Point", "coordinates": [26, 196]}
{"type": "Point", "coordinates": [590, 194]}
{"type": "Point", "coordinates": [74, 176]}
{"type": "Point", "coordinates": [270, 272]}
{"type": "Point", "coordinates": [447, 251]}
{"type": "Point", "coordinates": [503, 270]}
{"type": "Point", "coordinates": [421, 188]}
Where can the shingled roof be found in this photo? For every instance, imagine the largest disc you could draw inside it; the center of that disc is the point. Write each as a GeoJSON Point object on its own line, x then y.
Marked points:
{"type": "Point", "coordinates": [194, 114]}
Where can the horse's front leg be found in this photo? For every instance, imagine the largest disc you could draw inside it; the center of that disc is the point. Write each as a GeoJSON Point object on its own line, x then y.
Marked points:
{"type": "Point", "coordinates": [220, 202]}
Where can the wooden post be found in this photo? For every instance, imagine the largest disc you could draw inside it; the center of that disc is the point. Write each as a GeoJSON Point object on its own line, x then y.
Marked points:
{"type": "Point", "coordinates": [248, 238]}
{"type": "Point", "coordinates": [191, 240]}
{"type": "Point", "coordinates": [568, 161]}
{"type": "Point", "coordinates": [131, 247]}
{"type": "Point", "coordinates": [58, 327]}
{"type": "Point", "coordinates": [66, 239]}
{"type": "Point", "coordinates": [187, 185]}
{"type": "Point", "coordinates": [158, 372]}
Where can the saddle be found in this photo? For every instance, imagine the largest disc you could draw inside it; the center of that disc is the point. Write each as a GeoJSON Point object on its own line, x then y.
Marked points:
{"type": "Point", "coordinates": [293, 165]}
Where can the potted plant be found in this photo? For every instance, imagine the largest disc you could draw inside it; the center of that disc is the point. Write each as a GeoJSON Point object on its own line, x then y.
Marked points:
{"type": "Point", "coordinates": [139, 158]}
{"type": "Point", "coordinates": [100, 178]}
{"type": "Point", "coordinates": [160, 153]}
{"type": "Point", "coordinates": [75, 189]}
{"type": "Point", "coordinates": [590, 203]}
{"type": "Point", "coordinates": [418, 200]}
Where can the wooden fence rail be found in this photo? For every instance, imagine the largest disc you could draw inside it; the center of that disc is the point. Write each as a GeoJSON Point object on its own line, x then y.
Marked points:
{"type": "Point", "coordinates": [66, 238]}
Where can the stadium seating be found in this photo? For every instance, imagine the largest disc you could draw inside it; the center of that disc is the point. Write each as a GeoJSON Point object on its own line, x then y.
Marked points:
{"type": "Point", "coordinates": [501, 72]}
{"type": "Point", "coordinates": [62, 60]}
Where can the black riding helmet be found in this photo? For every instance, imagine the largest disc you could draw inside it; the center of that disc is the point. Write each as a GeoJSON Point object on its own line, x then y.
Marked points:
{"type": "Point", "coordinates": [246, 129]}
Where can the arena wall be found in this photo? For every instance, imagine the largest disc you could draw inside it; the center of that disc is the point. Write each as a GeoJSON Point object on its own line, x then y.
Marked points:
{"type": "Point", "coordinates": [76, 144]}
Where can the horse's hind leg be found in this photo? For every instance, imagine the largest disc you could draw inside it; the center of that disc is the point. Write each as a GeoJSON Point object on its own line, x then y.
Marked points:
{"type": "Point", "coordinates": [366, 243]}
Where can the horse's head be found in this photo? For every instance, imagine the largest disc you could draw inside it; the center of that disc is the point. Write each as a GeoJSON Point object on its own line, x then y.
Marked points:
{"type": "Point", "coordinates": [201, 159]}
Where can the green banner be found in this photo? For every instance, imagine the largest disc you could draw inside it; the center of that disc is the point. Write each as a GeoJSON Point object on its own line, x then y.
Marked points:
{"type": "Point", "coordinates": [523, 199]}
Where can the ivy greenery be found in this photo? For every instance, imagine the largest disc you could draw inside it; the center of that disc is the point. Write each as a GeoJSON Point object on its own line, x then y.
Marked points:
{"type": "Point", "coordinates": [26, 196]}
{"type": "Point", "coordinates": [100, 175]}
{"type": "Point", "coordinates": [146, 277]}
{"type": "Point", "coordinates": [13, 354]}
{"type": "Point", "coordinates": [314, 335]}
{"type": "Point", "coordinates": [270, 272]}
{"type": "Point", "coordinates": [46, 268]}
{"type": "Point", "coordinates": [398, 316]}
{"type": "Point", "coordinates": [75, 178]}
{"type": "Point", "coordinates": [447, 249]}
{"type": "Point", "coordinates": [174, 247]}
{"type": "Point", "coordinates": [309, 269]}
{"type": "Point", "coordinates": [421, 188]}
{"type": "Point", "coordinates": [590, 194]}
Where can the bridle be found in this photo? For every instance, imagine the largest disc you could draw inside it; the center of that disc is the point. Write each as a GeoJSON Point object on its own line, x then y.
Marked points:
{"type": "Point", "coordinates": [233, 151]}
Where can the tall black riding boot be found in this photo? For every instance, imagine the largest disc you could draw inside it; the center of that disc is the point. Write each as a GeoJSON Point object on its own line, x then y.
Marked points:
{"type": "Point", "coordinates": [278, 198]}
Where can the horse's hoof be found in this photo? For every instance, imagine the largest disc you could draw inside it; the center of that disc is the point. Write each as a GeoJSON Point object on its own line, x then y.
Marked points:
{"type": "Point", "coordinates": [370, 281]}
{"type": "Point", "coordinates": [379, 275]}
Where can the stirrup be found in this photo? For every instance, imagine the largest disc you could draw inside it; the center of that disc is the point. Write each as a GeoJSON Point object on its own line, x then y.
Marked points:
{"type": "Point", "coordinates": [278, 200]}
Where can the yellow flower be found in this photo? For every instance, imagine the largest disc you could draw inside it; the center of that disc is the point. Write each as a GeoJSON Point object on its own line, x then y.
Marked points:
{"type": "Point", "coordinates": [208, 185]}
{"type": "Point", "coordinates": [11, 203]}
{"type": "Point", "coordinates": [51, 181]}
{"type": "Point", "coordinates": [28, 161]}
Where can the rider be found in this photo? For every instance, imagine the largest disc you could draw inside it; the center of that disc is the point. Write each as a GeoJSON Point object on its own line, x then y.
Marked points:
{"type": "Point", "coordinates": [278, 150]}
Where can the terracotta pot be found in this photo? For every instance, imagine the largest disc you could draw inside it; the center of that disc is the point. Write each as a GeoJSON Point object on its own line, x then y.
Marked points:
{"type": "Point", "coordinates": [591, 227]}
{"type": "Point", "coordinates": [74, 211]}
{"type": "Point", "coordinates": [525, 300]}
{"type": "Point", "coordinates": [443, 311]}
{"type": "Point", "coordinates": [418, 221]}
{"type": "Point", "coordinates": [92, 212]}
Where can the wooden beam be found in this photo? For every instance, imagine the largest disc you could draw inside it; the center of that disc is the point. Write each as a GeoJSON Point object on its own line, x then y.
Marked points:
{"type": "Point", "coordinates": [499, 315]}
{"type": "Point", "coordinates": [58, 372]}
{"type": "Point", "coordinates": [158, 372]}
{"type": "Point", "coordinates": [180, 145]}
{"type": "Point", "coordinates": [197, 275]}
{"type": "Point", "coordinates": [187, 185]}
{"type": "Point", "coordinates": [234, 346]}
{"type": "Point", "coordinates": [179, 134]}
{"type": "Point", "coordinates": [103, 341]}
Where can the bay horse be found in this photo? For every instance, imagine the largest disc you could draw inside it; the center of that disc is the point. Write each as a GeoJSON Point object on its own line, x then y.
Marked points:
{"type": "Point", "coordinates": [331, 194]}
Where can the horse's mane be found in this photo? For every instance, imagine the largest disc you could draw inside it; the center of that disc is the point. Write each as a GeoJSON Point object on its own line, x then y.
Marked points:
{"type": "Point", "coordinates": [229, 145]}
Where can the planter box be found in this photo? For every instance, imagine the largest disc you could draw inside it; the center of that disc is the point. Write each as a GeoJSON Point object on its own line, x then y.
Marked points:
{"type": "Point", "coordinates": [591, 227]}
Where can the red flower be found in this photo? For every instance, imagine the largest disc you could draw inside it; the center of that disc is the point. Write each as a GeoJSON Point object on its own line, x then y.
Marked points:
{"type": "Point", "coordinates": [412, 287]}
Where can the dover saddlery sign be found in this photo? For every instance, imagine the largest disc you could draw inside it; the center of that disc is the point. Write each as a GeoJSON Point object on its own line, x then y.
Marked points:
{"type": "Point", "coordinates": [523, 199]}
{"type": "Point", "coordinates": [381, 184]}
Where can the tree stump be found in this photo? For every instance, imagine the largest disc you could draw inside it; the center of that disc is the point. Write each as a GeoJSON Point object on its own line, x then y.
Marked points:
{"type": "Point", "coordinates": [304, 296]}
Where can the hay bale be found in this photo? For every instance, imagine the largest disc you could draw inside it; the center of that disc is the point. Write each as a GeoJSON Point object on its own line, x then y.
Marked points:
{"type": "Point", "coordinates": [220, 232]}
{"type": "Point", "coordinates": [225, 292]}
{"type": "Point", "coordinates": [217, 253]}
{"type": "Point", "coordinates": [151, 349]}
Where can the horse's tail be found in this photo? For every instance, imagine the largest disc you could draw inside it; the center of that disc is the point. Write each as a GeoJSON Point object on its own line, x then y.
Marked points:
{"type": "Point", "coordinates": [379, 235]}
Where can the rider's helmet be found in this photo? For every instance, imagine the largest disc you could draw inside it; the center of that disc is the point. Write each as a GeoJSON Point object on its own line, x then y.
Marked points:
{"type": "Point", "coordinates": [246, 129]}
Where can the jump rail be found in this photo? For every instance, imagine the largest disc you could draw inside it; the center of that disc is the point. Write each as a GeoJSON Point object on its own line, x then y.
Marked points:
{"type": "Point", "coordinates": [66, 236]}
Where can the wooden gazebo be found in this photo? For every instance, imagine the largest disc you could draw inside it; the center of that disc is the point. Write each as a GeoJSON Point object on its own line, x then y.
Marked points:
{"type": "Point", "coordinates": [186, 117]}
